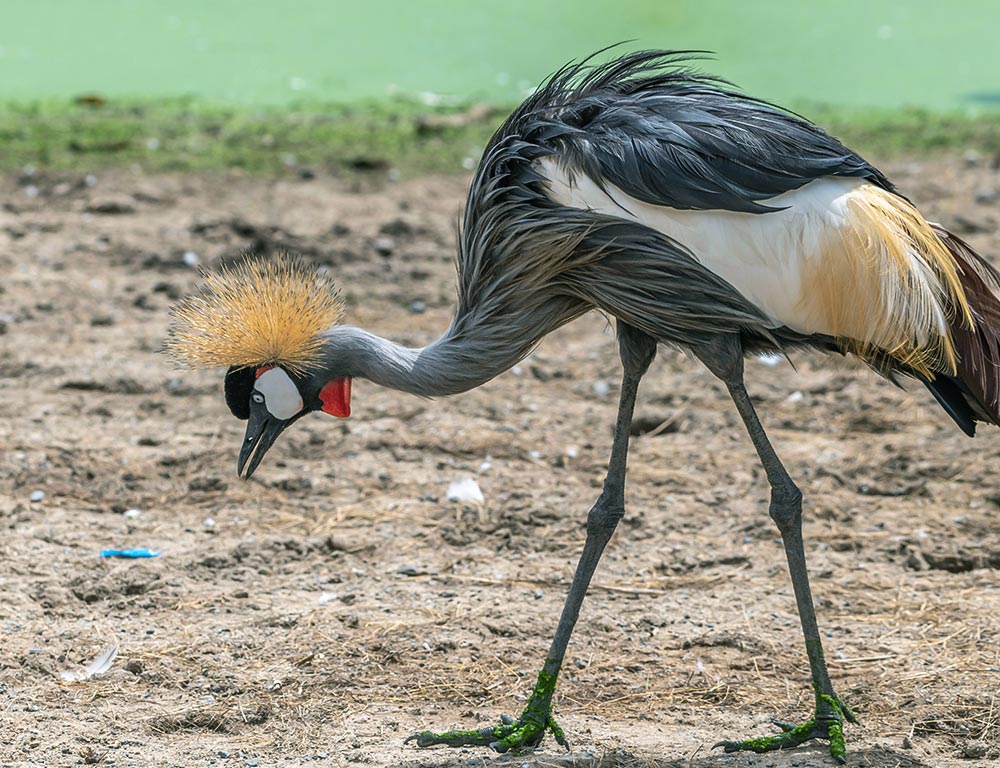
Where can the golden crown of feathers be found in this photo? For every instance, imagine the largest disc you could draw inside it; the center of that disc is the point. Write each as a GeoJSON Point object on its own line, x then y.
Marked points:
{"type": "Point", "coordinates": [256, 313]}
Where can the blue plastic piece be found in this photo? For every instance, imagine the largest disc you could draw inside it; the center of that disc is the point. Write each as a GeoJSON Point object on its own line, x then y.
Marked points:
{"type": "Point", "coordinates": [137, 552]}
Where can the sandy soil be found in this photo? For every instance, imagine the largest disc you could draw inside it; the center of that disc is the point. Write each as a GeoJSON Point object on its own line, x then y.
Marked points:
{"type": "Point", "coordinates": [322, 612]}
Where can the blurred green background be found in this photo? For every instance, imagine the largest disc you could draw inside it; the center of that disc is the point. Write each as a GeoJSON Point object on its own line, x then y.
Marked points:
{"type": "Point", "coordinates": [189, 84]}
{"type": "Point", "coordinates": [860, 53]}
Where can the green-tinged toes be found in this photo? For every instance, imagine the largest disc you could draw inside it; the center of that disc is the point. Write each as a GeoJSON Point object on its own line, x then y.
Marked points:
{"type": "Point", "coordinates": [829, 726]}
{"type": "Point", "coordinates": [510, 735]}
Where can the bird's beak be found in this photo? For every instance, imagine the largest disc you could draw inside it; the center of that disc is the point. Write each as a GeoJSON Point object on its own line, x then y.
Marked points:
{"type": "Point", "coordinates": [262, 430]}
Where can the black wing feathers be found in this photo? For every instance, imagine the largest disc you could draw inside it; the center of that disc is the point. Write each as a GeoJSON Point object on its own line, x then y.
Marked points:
{"type": "Point", "coordinates": [668, 135]}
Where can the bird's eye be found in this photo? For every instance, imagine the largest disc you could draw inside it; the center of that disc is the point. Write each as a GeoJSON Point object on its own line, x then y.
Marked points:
{"type": "Point", "coordinates": [257, 397]}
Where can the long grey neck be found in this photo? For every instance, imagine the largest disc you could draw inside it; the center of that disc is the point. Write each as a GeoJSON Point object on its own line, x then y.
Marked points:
{"type": "Point", "coordinates": [450, 365]}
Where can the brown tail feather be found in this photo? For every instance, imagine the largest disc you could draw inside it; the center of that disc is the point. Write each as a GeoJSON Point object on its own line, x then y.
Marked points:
{"type": "Point", "coordinates": [977, 349]}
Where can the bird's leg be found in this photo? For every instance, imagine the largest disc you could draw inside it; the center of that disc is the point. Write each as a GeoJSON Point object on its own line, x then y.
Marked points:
{"type": "Point", "coordinates": [637, 352]}
{"type": "Point", "coordinates": [725, 359]}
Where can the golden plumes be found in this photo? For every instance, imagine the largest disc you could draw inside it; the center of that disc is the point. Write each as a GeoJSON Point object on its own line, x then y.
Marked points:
{"type": "Point", "coordinates": [887, 283]}
{"type": "Point", "coordinates": [256, 313]}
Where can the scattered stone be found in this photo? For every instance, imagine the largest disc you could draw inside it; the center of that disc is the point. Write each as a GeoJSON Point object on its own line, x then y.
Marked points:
{"type": "Point", "coordinates": [963, 225]}
{"type": "Point", "coordinates": [601, 388]}
{"type": "Point", "coordinates": [207, 484]}
{"type": "Point", "coordinates": [169, 290]}
{"type": "Point", "coordinates": [987, 196]}
{"type": "Point", "coordinates": [384, 246]}
{"type": "Point", "coordinates": [36, 496]}
{"type": "Point", "coordinates": [134, 666]}
{"type": "Point", "coordinates": [417, 307]}
{"type": "Point", "coordinates": [974, 749]}
{"type": "Point", "coordinates": [112, 205]}
{"type": "Point", "coordinates": [190, 258]}
{"type": "Point", "coordinates": [396, 228]}
{"type": "Point", "coordinates": [295, 484]}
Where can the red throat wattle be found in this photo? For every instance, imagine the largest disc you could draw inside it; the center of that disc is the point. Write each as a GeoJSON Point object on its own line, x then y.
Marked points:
{"type": "Point", "coordinates": [336, 397]}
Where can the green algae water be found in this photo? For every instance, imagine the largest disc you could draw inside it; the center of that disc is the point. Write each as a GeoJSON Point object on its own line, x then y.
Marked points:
{"type": "Point", "coordinates": [855, 53]}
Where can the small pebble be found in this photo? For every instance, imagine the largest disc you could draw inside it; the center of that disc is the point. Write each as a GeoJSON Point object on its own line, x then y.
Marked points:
{"type": "Point", "coordinates": [418, 307]}
{"type": "Point", "coordinates": [987, 196]}
{"type": "Point", "coordinates": [251, 762]}
{"type": "Point", "coordinates": [114, 205]}
{"type": "Point", "coordinates": [36, 495]}
{"type": "Point", "coordinates": [191, 258]}
{"type": "Point", "coordinates": [384, 246]}
{"type": "Point", "coordinates": [537, 594]}
{"type": "Point", "coordinates": [208, 522]}
{"type": "Point", "coordinates": [601, 388]}
{"type": "Point", "coordinates": [132, 513]}
{"type": "Point", "coordinates": [974, 749]}
{"type": "Point", "coordinates": [769, 360]}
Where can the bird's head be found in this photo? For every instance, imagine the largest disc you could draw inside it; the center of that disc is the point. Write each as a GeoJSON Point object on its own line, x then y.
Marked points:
{"type": "Point", "coordinates": [267, 321]}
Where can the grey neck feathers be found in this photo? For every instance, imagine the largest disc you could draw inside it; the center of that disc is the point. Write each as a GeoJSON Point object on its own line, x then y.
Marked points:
{"type": "Point", "coordinates": [450, 365]}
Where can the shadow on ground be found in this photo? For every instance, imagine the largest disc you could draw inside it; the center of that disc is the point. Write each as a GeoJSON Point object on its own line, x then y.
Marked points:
{"type": "Point", "coordinates": [806, 757]}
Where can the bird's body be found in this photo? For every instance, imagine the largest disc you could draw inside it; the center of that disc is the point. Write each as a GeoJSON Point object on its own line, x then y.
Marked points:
{"type": "Point", "coordinates": [696, 217]}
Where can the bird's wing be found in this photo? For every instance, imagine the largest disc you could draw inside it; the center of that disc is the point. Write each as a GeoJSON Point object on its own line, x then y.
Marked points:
{"type": "Point", "coordinates": [698, 147]}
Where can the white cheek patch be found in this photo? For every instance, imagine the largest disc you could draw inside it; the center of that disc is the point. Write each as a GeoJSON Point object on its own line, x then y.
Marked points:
{"type": "Point", "coordinates": [281, 396]}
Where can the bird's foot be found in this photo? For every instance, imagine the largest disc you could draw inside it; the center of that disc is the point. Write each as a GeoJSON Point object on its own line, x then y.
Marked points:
{"type": "Point", "coordinates": [511, 735]}
{"type": "Point", "coordinates": [827, 723]}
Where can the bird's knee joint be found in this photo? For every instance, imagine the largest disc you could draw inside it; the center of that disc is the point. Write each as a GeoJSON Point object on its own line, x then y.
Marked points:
{"type": "Point", "coordinates": [604, 517]}
{"type": "Point", "coordinates": [786, 506]}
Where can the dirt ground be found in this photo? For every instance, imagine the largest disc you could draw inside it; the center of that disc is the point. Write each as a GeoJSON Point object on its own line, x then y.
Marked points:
{"type": "Point", "coordinates": [338, 602]}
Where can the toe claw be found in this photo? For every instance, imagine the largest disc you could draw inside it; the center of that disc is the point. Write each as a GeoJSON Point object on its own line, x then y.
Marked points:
{"type": "Point", "coordinates": [727, 746]}
{"type": "Point", "coordinates": [784, 725]}
{"type": "Point", "coordinates": [506, 720]}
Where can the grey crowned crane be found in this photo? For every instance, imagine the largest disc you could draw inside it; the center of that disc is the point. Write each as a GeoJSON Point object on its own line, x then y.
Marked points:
{"type": "Point", "coordinates": [695, 216]}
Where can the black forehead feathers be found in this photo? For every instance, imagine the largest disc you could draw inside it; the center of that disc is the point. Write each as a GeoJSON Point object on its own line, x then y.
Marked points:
{"type": "Point", "coordinates": [239, 385]}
